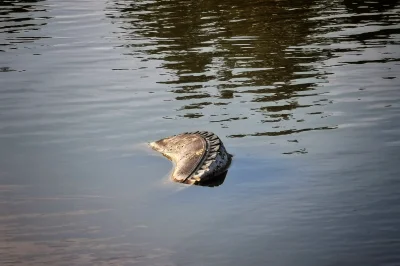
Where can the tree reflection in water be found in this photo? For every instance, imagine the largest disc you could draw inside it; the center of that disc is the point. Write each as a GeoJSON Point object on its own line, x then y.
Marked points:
{"type": "Point", "coordinates": [20, 22]}
{"type": "Point", "coordinates": [232, 61]}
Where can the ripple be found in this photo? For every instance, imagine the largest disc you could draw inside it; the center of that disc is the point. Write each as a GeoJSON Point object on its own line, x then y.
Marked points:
{"type": "Point", "coordinates": [280, 133]}
{"type": "Point", "coordinates": [19, 18]}
{"type": "Point", "coordinates": [305, 94]}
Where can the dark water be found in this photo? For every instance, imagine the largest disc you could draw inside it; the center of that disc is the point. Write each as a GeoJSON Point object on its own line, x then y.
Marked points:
{"type": "Point", "coordinates": [305, 94]}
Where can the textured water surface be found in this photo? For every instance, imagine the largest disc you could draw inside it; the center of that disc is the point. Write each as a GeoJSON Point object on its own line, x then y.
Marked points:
{"type": "Point", "coordinates": [305, 94]}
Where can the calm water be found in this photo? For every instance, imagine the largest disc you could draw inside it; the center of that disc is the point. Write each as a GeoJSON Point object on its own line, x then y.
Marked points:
{"type": "Point", "coordinates": [305, 94]}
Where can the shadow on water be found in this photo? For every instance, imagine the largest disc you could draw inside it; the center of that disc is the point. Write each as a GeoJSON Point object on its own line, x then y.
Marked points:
{"type": "Point", "coordinates": [231, 62]}
{"type": "Point", "coordinates": [214, 182]}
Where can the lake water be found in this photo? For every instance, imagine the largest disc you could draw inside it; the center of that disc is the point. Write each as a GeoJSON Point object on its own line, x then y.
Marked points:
{"type": "Point", "coordinates": [304, 94]}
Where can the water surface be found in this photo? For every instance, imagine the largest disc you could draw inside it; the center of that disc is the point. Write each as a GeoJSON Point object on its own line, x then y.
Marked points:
{"type": "Point", "coordinates": [305, 94]}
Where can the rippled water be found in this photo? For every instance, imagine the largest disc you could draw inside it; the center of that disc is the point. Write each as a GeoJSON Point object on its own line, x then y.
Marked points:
{"type": "Point", "coordinates": [305, 94]}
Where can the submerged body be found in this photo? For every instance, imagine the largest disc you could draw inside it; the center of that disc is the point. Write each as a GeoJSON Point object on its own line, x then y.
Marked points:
{"type": "Point", "coordinates": [198, 156]}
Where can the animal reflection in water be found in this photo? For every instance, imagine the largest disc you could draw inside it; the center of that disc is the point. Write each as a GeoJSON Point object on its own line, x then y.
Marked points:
{"type": "Point", "coordinates": [200, 157]}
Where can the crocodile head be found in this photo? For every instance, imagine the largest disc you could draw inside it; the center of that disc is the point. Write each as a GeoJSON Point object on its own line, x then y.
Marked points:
{"type": "Point", "coordinates": [199, 157]}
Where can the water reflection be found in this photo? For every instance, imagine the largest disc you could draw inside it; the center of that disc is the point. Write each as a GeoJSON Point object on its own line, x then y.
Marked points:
{"type": "Point", "coordinates": [375, 23]}
{"type": "Point", "coordinates": [231, 61]}
{"type": "Point", "coordinates": [362, 6]}
{"type": "Point", "coordinates": [72, 187]}
{"type": "Point", "coordinates": [20, 22]}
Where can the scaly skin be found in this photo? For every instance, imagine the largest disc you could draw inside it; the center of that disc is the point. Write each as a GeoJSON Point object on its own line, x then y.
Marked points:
{"type": "Point", "coordinates": [198, 156]}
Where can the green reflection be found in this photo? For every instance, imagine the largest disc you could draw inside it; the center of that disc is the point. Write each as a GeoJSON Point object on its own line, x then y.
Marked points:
{"type": "Point", "coordinates": [229, 53]}
{"type": "Point", "coordinates": [20, 21]}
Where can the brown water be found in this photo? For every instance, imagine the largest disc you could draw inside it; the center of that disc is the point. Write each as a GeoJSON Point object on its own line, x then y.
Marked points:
{"type": "Point", "coordinates": [305, 94]}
